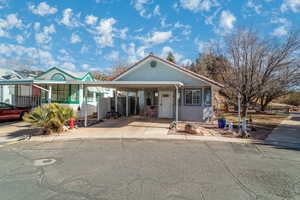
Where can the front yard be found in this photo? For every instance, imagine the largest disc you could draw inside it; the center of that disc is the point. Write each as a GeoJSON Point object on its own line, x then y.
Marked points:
{"type": "Point", "coordinates": [262, 123]}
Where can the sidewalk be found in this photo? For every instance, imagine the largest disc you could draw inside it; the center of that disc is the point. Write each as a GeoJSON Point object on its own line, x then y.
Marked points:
{"type": "Point", "coordinates": [287, 133]}
{"type": "Point", "coordinates": [140, 136]}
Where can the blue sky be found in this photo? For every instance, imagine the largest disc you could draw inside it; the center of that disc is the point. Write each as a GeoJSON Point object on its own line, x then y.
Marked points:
{"type": "Point", "coordinates": [93, 35]}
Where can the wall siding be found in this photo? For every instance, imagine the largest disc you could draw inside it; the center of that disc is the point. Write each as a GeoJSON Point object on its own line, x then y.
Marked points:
{"type": "Point", "coordinates": [162, 72]}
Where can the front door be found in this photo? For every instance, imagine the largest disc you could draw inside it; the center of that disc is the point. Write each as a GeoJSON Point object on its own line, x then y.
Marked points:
{"type": "Point", "coordinates": [165, 104]}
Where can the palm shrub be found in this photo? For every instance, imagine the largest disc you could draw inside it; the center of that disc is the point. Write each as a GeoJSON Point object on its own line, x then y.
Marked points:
{"type": "Point", "coordinates": [50, 117]}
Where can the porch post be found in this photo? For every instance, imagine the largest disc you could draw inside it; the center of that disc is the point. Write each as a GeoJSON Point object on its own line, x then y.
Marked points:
{"type": "Point", "coordinates": [85, 106]}
{"type": "Point", "coordinates": [49, 93]}
{"type": "Point", "coordinates": [176, 103]}
{"type": "Point", "coordinates": [116, 100]}
{"type": "Point", "coordinates": [126, 104]}
{"type": "Point", "coordinates": [135, 105]}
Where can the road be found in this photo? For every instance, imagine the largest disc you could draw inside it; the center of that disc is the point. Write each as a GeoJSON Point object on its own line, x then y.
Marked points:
{"type": "Point", "coordinates": [147, 169]}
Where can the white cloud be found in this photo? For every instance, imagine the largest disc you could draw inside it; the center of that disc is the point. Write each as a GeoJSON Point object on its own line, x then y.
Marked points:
{"type": "Point", "coordinates": [45, 36]}
{"type": "Point", "coordinates": [84, 49]}
{"type": "Point", "coordinates": [20, 39]}
{"type": "Point", "coordinates": [293, 5]}
{"type": "Point", "coordinates": [114, 55]}
{"type": "Point", "coordinates": [19, 52]}
{"type": "Point", "coordinates": [227, 20]}
{"type": "Point", "coordinates": [75, 38]}
{"type": "Point", "coordinates": [133, 53]}
{"type": "Point", "coordinates": [69, 19]}
{"type": "Point", "coordinates": [3, 33]}
{"type": "Point", "coordinates": [139, 5]}
{"type": "Point", "coordinates": [91, 19]}
{"type": "Point", "coordinates": [86, 66]}
{"type": "Point", "coordinates": [201, 45]}
{"type": "Point", "coordinates": [123, 33]}
{"type": "Point", "coordinates": [256, 7]}
{"type": "Point", "coordinates": [280, 31]}
{"type": "Point", "coordinates": [156, 11]}
{"type": "Point", "coordinates": [186, 28]}
{"type": "Point", "coordinates": [10, 22]}
{"type": "Point", "coordinates": [49, 29]}
{"type": "Point", "coordinates": [198, 5]}
{"type": "Point", "coordinates": [42, 9]}
{"type": "Point", "coordinates": [157, 37]}
{"type": "Point", "coordinates": [36, 26]}
{"type": "Point", "coordinates": [69, 66]}
{"type": "Point", "coordinates": [105, 33]}
{"type": "Point", "coordinates": [186, 62]}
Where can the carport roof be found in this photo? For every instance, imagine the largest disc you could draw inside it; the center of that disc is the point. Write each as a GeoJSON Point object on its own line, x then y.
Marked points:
{"type": "Point", "coordinates": [107, 84]}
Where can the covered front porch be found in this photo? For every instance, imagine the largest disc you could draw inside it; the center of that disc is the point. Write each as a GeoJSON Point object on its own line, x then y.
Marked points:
{"type": "Point", "coordinates": [151, 100]}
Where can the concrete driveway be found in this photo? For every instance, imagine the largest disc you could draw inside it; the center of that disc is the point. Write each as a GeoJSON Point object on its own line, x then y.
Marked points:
{"type": "Point", "coordinates": [128, 127]}
{"type": "Point", "coordinates": [287, 133]}
{"type": "Point", "coordinates": [14, 130]}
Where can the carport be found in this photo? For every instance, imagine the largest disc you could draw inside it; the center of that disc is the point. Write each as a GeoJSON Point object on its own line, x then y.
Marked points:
{"type": "Point", "coordinates": [119, 86]}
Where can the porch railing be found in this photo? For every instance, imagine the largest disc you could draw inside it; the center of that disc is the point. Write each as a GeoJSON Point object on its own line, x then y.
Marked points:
{"type": "Point", "coordinates": [26, 101]}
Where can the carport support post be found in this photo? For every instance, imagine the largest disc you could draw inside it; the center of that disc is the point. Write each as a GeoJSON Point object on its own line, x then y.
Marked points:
{"type": "Point", "coordinates": [49, 93]}
{"type": "Point", "coordinates": [116, 100]}
{"type": "Point", "coordinates": [85, 106]}
{"type": "Point", "coordinates": [176, 104]}
{"type": "Point", "coordinates": [126, 104]}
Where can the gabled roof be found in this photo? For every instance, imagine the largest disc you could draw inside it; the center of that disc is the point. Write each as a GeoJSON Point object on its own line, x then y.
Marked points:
{"type": "Point", "coordinates": [183, 69]}
{"type": "Point", "coordinates": [74, 75]}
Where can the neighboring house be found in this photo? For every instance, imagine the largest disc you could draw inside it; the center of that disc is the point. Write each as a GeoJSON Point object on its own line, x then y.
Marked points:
{"type": "Point", "coordinates": [15, 94]}
{"type": "Point", "coordinates": [157, 82]}
{"type": "Point", "coordinates": [57, 79]}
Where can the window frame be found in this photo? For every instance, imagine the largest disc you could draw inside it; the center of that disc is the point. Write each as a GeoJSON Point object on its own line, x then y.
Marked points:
{"type": "Point", "coordinates": [193, 91]}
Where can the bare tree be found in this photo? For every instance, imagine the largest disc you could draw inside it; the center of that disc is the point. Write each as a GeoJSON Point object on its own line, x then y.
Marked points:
{"type": "Point", "coordinates": [259, 66]}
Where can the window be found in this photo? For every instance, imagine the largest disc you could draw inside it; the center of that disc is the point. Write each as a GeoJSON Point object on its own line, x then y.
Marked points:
{"type": "Point", "coordinates": [58, 77]}
{"type": "Point", "coordinates": [207, 96]}
{"type": "Point", "coordinates": [90, 96]}
{"type": "Point", "coordinates": [193, 97]}
{"type": "Point", "coordinates": [60, 93]}
{"type": "Point", "coordinates": [74, 96]}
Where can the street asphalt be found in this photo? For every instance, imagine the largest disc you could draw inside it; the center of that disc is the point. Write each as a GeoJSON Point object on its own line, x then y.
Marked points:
{"type": "Point", "coordinates": [147, 169]}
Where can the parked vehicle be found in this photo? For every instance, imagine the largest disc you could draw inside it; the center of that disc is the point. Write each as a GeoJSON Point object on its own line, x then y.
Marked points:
{"type": "Point", "coordinates": [10, 112]}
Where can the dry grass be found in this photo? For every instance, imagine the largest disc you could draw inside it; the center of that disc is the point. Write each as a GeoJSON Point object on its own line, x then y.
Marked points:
{"type": "Point", "coordinates": [263, 122]}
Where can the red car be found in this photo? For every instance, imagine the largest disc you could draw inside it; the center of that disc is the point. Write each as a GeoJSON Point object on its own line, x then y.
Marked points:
{"type": "Point", "coordinates": [10, 112]}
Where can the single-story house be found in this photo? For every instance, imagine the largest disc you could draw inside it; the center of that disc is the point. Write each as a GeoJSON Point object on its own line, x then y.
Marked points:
{"type": "Point", "coordinates": [58, 88]}
{"type": "Point", "coordinates": [166, 90]}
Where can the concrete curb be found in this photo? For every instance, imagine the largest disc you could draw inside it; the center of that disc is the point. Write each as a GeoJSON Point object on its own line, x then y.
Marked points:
{"type": "Point", "coordinates": [118, 137]}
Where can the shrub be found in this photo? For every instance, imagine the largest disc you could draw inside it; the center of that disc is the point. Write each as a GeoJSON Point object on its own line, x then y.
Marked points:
{"type": "Point", "coordinates": [50, 117]}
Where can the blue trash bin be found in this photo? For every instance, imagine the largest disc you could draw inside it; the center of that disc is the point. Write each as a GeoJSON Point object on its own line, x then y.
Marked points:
{"type": "Point", "coordinates": [221, 123]}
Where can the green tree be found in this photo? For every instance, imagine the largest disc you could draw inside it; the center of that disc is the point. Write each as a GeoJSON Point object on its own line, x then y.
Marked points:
{"type": "Point", "coordinates": [171, 57]}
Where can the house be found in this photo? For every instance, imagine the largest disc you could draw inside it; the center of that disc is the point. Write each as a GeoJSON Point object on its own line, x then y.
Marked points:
{"type": "Point", "coordinates": [57, 86]}
{"type": "Point", "coordinates": [15, 94]}
{"type": "Point", "coordinates": [166, 90]}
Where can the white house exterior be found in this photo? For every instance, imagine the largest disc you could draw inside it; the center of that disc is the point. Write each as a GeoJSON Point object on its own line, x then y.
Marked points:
{"type": "Point", "coordinates": [71, 95]}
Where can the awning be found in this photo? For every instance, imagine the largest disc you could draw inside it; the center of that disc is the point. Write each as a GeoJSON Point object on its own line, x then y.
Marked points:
{"type": "Point", "coordinates": [107, 84]}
